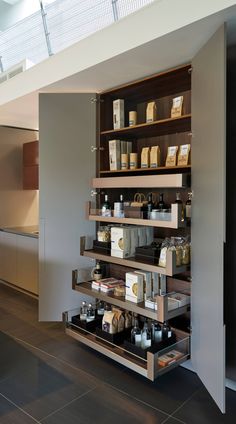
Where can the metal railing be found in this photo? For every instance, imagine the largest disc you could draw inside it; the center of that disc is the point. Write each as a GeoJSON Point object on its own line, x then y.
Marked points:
{"type": "Point", "coordinates": [58, 25]}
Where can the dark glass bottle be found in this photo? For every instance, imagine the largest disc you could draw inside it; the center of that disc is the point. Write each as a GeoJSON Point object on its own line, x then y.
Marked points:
{"type": "Point", "coordinates": [188, 207]}
{"type": "Point", "coordinates": [179, 201]}
{"type": "Point", "coordinates": [161, 205]}
{"type": "Point", "coordinates": [166, 331]}
{"type": "Point", "coordinates": [150, 205]}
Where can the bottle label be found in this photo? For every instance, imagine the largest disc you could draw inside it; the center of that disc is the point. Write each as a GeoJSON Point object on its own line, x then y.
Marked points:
{"type": "Point", "coordinates": [83, 317]}
{"type": "Point", "coordinates": [138, 339]}
{"type": "Point", "coordinates": [148, 342]}
{"type": "Point", "coordinates": [100, 311]}
{"type": "Point", "coordinates": [169, 334]}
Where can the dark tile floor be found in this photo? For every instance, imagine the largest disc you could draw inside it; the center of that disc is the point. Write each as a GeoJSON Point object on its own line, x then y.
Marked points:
{"type": "Point", "coordinates": [47, 377]}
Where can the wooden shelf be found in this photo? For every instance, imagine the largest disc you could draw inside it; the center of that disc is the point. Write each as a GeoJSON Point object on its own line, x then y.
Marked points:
{"type": "Point", "coordinates": [138, 308]}
{"type": "Point", "coordinates": [146, 367]}
{"type": "Point", "coordinates": [175, 222]}
{"type": "Point", "coordinates": [170, 270]}
{"type": "Point", "coordinates": [112, 352]}
{"type": "Point", "coordinates": [161, 127]}
{"type": "Point", "coordinates": [142, 181]}
{"type": "Point", "coordinates": [158, 170]}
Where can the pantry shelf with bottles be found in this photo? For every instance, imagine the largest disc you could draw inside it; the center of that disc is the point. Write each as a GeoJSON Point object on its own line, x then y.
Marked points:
{"type": "Point", "coordinates": [143, 251]}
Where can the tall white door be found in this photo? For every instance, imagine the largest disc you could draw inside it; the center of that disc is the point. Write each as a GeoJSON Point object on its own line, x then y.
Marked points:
{"type": "Point", "coordinates": [67, 130]}
{"type": "Point", "coordinates": [208, 218]}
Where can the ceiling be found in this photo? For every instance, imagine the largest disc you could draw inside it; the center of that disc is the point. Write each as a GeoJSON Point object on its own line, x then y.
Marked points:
{"type": "Point", "coordinates": [162, 53]}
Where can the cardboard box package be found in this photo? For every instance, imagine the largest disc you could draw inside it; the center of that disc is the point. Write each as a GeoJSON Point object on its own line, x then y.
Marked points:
{"type": "Point", "coordinates": [118, 114]}
{"type": "Point", "coordinates": [114, 155]}
{"type": "Point", "coordinates": [120, 242]}
{"type": "Point", "coordinates": [134, 287]}
{"type": "Point", "coordinates": [147, 283]}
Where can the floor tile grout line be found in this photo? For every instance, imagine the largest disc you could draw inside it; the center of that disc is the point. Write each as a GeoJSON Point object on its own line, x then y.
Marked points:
{"type": "Point", "coordinates": [67, 404]}
{"type": "Point", "coordinates": [54, 357]}
{"type": "Point", "coordinates": [184, 403]}
{"type": "Point", "coordinates": [137, 399]}
{"type": "Point", "coordinates": [18, 407]}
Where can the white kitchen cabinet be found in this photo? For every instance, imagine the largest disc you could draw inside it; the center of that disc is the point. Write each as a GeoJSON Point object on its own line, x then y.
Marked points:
{"type": "Point", "coordinates": [27, 263]}
{"type": "Point", "coordinates": [19, 261]}
{"type": "Point", "coordinates": [8, 257]}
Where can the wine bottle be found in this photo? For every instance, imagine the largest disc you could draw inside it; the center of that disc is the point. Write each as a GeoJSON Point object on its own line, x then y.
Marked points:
{"type": "Point", "coordinates": [161, 205]}
{"type": "Point", "coordinates": [188, 207]}
{"type": "Point", "coordinates": [179, 201]}
{"type": "Point", "coordinates": [150, 205]}
{"type": "Point", "coordinates": [136, 334]}
{"type": "Point", "coordinates": [106, 207]}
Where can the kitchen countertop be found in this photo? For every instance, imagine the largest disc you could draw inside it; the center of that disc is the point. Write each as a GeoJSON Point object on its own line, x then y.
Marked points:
{"type": "Point", "coordinates": [29, 231]}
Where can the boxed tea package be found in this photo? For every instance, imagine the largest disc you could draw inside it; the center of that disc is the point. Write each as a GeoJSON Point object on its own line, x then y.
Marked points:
{"type": "Point", "coordinates": [171, 156]}
{"type": "Point", "coordinates": [120, 242]}
{"type": "Point", "coordinates": [149, 235]}
{"type": "Point", "coordinates": [142, 236]}
{"type": "Point", "coordinates": [134, 287]}
{"type": "Point", "coordinates": [114, 154]}
{"type": "Point", "coordinates": [155, 157]}
{"type": "Point", "coordinates": [183, 156]}
{"type": "Point", "coordinates": [177, 107]}
{"type": "Point", "coordinates": [147, 283]}
{"type": "Point", "coordinates": [145, 157]}
{"type": "Point", "coordinates": [118, 114]}
{"type": "Point", "coordinates": [133, 239]}
{"type": "Point", "coordinates": [151, 112]}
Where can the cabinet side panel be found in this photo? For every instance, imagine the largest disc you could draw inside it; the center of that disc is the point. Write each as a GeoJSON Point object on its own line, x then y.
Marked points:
{"type": "Point", "coordinates": [208, 219]}
{"type": "Point", "coordinates": [67, 127]}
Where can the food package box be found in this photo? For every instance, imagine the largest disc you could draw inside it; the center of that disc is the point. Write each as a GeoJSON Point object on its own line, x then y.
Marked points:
{"type": "Point", "coordinates": [142, 236]}
{"type": "Point", "coordinates": [169, 358]}
{"type": "Point", "coordinates": [181, 298]}
{"type": "Point", "coordinates": [133, 239]}
{"type": "Point", "coordinates": [147, 283]}
{"type": "Point", "coordinates": [109, 286]}
{"type": "Point", "coordinates": [96, 285]}
{"type": "Point", "coordinates": [171, 156]}
{"type": "Point", "coordinates": [118, 114]}
{"type": "Point", "coordinates": [149, 235]}
{"type": "Point", "coordinates": [155, 283]}
{"type": "Point", "coordinates": [120, 242]}
{"type": "Point", "coordinates": [177, 107]}
{"type": "Point", "coordinates": [114, 154]}
{"type": "Point", "coordinates": [134, 287]}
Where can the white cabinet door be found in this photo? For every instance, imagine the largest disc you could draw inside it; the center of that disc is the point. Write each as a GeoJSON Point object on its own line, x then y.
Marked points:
{"type": "Point", "coordinates": [27, 263]}
{"type": "Point", "coordinates": [208, 217]}
{"type": "Point", "coordinates": [67, 129]}
{"type": "Point", "coordinates": [8, 257]}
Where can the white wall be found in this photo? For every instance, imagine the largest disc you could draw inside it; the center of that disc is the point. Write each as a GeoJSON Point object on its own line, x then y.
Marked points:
{"type": "Point", "coordinates": [18, 207]}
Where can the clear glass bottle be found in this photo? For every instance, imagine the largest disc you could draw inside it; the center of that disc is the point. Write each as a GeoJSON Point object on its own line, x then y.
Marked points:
{"type": "Point", "coordinates": [83, 311]}
{"type": "Point", "coordinates": [156, 331]}
{"type": "Point", "coordinates": [136, 334]}
{"type": "Point", "coordinates": [166, 331]}
{"type": "Point", "coordinates": [146, 339]}
{"type": "Point", "coordinates": [100, 308]}
{"type": "Point", "coordinates": [106, 207]}
{"type": "Point", "coordinates": [90, 313]}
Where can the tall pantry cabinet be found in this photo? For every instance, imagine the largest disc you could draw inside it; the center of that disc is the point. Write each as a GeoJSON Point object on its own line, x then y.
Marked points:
{"type": "Point", "coordinates": [208, 220]}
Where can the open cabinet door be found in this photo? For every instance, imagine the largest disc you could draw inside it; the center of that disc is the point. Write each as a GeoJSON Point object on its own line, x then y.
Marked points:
{"type": "Point", "coordinates": [208, 217]}
{"type": "Point", "coordinates": [67, 131]}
